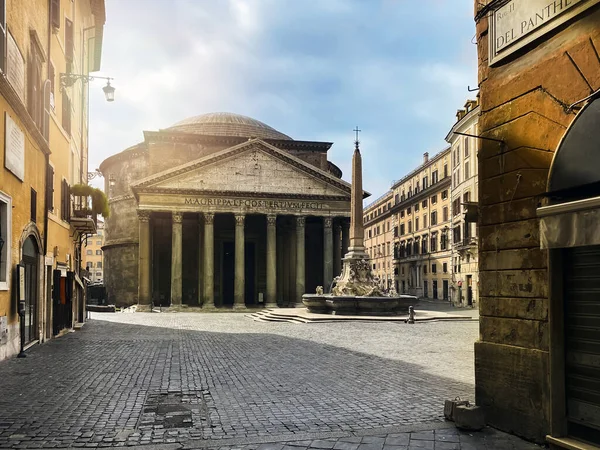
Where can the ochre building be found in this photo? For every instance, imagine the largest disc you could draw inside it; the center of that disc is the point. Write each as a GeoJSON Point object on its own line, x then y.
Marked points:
{"type": "Point", "coordinates": [221, 210]}
{"type": "Point", "coordinates": [537, 364]}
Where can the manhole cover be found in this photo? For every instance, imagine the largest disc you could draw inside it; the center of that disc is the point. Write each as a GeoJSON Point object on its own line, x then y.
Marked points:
{"type": "Point", "coordinates": [175, 410]}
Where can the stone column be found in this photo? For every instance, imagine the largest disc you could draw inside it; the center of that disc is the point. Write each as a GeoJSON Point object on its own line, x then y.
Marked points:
{"type": "Point", "coordinates": [209, 261]}
{"type": "Point", "coordinates": [271, 301]}
{"type": "Point", "coordinates": [337, 250]}
{"type": "Point", "coordinates": [239, 287]}
{"type": "Point", "coordinates": [345, 237]}
{"type": "Point", "coordinates": [327, 253]}
{"type": "Point", "coordinates": [144, 261]}
{"type": "Point", "coordinates": [176, 259]}
{"type": "Point", "coordinates": [300, 260]}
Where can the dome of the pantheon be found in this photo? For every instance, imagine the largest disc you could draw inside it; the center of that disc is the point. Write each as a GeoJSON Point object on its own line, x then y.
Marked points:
{"type": "Point", "coordinates": [227, 124]}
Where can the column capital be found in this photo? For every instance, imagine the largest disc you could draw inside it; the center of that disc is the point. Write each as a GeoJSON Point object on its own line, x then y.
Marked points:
{"type": "Point", "coordinates": [271, 220]}
{"type": "Point", "coordinates": [208, 218]}
{"type": "Point", "coordinates": [327, 222]}
{"type": "Point", "coordinates": [300, 221]}
{"type": "Point", "coordinates": [143, 215]}
{"type": "Point", "coordinates": [239, 220]}
{"type": "Point", "coordinates": [177, 217]}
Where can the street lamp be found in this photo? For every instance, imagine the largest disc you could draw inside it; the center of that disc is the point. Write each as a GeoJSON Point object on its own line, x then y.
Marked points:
{"type": "Point", "coordinates": [94, 174]}
{"type": "Point", "coordinates": [69, 79]}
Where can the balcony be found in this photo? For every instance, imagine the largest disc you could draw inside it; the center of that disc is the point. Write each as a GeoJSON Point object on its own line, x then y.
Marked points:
{"type": "Point", "coordinates": [466, 245]}
{"type": "Point", "coordinates": [83, 219]}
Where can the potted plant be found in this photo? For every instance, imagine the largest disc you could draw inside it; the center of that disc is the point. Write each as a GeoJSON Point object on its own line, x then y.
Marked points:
{"type": "Point", "coordinates": [99, 200]}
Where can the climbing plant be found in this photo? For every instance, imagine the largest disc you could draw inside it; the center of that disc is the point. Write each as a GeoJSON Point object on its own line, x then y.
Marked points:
{"type": "Point", "coordinates": [99, 200]}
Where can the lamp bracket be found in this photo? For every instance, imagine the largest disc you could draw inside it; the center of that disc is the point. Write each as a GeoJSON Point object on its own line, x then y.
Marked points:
{"type": "Point", "coordinates": [69, 79]}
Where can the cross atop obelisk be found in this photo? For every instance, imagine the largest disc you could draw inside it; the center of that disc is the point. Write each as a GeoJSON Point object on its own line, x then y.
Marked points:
{"type": "Point", "coordinates": [357, 232]}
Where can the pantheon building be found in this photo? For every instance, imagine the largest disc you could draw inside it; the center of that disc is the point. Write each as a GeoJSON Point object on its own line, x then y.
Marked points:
{"type": "Point", "coordinates": [222, 211]}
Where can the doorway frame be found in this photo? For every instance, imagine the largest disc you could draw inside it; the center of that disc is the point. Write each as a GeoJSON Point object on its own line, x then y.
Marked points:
{"type": "Point", "coordinates": [31, 230]}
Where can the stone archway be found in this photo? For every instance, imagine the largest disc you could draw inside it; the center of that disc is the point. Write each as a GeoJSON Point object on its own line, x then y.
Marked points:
{"type": "Point", "coordinates": [31, 249]}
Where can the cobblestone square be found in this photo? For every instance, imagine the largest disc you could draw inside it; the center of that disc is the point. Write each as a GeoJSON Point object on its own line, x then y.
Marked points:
{"type": "Point", "coordinates": [223, 380]}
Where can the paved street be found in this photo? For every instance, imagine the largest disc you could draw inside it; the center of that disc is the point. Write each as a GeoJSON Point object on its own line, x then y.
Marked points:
{"type": "Point", "coordinates": [222, 380]}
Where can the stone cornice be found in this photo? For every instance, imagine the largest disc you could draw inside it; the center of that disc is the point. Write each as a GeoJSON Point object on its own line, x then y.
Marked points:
{"type": "Point", "coordinates": [237, 150]}
{"type": "Point", "coordinates": [129, 153]}
{"type": "Point", "coordinates": [192, 138]}
{"type": "Point", "coordinates": [119, 243]}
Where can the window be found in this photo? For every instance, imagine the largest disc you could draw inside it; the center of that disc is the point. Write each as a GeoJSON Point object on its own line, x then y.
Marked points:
{"type": "Point", "coordinates": [425, 270]}
{"type": "Point", "coordinates": [434, 177]}
{"type": "Point", "coordinates": [425, 182]}
{"type": "Point", "coordinates": [445, 170]}
{"type": "Point", "coordinates": [445, 214]}
{"type": "Point", "coordinates": [445, 194]}
{"type": "Point", "coordinates": [424, 245]}
{"type": "Point", "coordinates": [6, 235]}
{"type": "Point", "coordinates": [433, 242]}
{"type": "Point", "coordinates": [457, 177]}
{"type": "Point", "coordinates": [416, 246]}
{"type": "Point", "coordinates": [98, 274]}
{"type": "Point", "coordinates": [434, 199]}
{"type": "Point", "coordinates": [434, 218]}
{"type": "Point", "coordinates": [456, 237]}
{"type": "Point", "coordinates": [66, 113]}
{"type": "Point", "coordinates": [35, 97]}
{"type": "Point", "coordinates": [388, 249]}
{"type": "Point", "coordinates": [408, 210]}
{"type": "Point", "coordinates": [417, 188]}
{"type": "Point", "coordinates": [50, 189]}
{"type": "Point", "coordinates": [69, 44]}
{"type": "Point", "coordinates": [98, 252]}
{"type": "Point", "coordinates": [98, 242]}
{"type": "Point", "coordinates": [89, 252]}
{"type": "Point", "coordinates": [457, 156]}
{"type": "Point", "coordinates": [65, 201]}
{"type": "Point", "coordinates": [456, 206]}
{"type": "Point", "coordinates": [445, 267]}
{"type": "Point", "coordinates": [467, 197]}
{"type": "Point", "coordinates": [402, 229]}
{"type": "Point", "coordinates": [402, 214]}
{"type": "Point", "coordinates": [409, 226]}
{"type": "Point", "coordinates": [444, 242]}
{"type": "Point", "coordinates": [434, 268]}
{"type": "Point", "coordinates": [55, 13]}
{"type": "Point", "coordinates": [425, 221]}
{"type": "Point", "coordinates": [416, 207]}
{"type": "Point", "coordinates": [396, 199]}
{"type": "Point", "coordinates": [424, 203]}
{"type": "Point", "coordinates": [416, 224]}
{"type": "Point", "coordinates": [466, 143]}
{"type": "Point", "coordinates": [467, 173]}
{"type": "Point", "coordinates": [33, 205]}
{"type": "Point", "coordinates": [99, 233]}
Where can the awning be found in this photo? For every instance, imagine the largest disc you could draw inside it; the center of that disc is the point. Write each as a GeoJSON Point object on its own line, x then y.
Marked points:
{"type": "Point", "coordinates": [571, 224]}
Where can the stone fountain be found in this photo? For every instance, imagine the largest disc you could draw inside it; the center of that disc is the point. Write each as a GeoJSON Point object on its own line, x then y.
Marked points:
{"type": "Point", "coordinates": [356, 290]}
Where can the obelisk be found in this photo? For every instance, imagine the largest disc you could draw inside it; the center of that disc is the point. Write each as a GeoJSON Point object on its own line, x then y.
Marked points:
{"type": "Point", "coordinates": [357, 229]}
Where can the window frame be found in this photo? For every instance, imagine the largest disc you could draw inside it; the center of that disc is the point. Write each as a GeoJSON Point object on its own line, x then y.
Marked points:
{"type": "Point", "coordinates": [6, 229]}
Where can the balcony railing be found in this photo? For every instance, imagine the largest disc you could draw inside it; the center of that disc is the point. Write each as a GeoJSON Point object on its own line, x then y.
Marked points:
{"type": "Point", "coordinates": [83, 218]}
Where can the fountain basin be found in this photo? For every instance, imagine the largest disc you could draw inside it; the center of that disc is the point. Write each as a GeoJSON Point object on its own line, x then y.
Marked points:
{"type": "Point", "coordinates": [358, 305]}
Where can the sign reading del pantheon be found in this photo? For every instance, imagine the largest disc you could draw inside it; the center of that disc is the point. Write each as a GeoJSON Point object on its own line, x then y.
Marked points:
{"type": "Point", "coordinates": [221, 210]}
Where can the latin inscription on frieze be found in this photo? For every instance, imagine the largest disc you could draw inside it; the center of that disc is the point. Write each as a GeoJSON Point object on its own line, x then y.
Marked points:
{"type": "Point", "coordinates": [255, 204]}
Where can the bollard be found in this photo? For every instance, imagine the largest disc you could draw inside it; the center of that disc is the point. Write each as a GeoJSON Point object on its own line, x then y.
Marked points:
{"type": "Point", "coordinates": [411, 314]}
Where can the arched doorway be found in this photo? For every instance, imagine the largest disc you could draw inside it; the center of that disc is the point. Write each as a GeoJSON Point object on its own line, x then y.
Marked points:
{"type": "Point", "coordinates": [570, 230]}
{"type": "Point", "coordinates": [32, 288]}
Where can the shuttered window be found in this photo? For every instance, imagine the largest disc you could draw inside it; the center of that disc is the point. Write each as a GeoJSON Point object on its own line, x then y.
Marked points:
{"type": "Point", "coordinates": [66, 113]}
{"type": "Point", "coordinates": [50, 189]}
{"type": "Point", "coordinates": [33, 205]}
{"type": "Point", "coordinates": [2, 35]}
{"type": "Point", "coordinates": [69, 40]}
{"type": "Point", "coordinates": [55, 13]}
{"type": "Point", "coordinates": [65, 203]}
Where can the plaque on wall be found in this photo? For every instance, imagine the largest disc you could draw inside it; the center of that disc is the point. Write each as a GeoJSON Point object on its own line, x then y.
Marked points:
{"type": "Point", "coordinates": [15, 67]}
{"type": "Point", "coordinates": [14, 147]}
{"type": "Point", "coordinates": [517, 23]}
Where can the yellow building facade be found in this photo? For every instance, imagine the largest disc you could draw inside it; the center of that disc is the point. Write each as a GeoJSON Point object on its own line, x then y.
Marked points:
{"type": "Point", "coordinates": [379, 238]}
{"type": "Point", "coordinates": [93, 256]}
{"type": "Point", "coordinates": [44, 135]}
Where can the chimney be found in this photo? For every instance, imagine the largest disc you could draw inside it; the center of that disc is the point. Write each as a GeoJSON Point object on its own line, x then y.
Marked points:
{"type": "Point", "coordinates": [425, 157]}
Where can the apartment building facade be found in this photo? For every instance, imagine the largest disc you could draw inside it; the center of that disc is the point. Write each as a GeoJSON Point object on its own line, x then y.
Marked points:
{"type": "Point", "coordinates": [93, 256]}
{"type": "Point", "coordinates": [464, 197]}
{"type": "Point", "coordinates": [45, 152]}
{"type": "Point", "coordinates": [422, 243]}
{"type": "Point", "coordinates": [380, 224]}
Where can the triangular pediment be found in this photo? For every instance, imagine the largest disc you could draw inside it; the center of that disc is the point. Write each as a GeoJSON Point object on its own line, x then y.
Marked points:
{"type": "Point", "coordinates": [251, 167]}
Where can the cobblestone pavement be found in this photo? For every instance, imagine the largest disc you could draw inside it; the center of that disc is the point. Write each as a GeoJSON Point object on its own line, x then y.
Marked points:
{"type": "Point", "coordinates": [212, 380]}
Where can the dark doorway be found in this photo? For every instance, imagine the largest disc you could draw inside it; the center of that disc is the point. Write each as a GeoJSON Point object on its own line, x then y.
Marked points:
{"type": "Point", "coordinates": [228, 272]}
{"type": "Point", "coordinates": [435, 289]}
{"type": "Point", "coordinates": [30, 261]}
{"type": "Point", "coordinates": [470, 290]}
{"type": "Point", "coordinates": [425, 289]}
{"type": "Point", "coordinates": [445, 289]}
{"type": "Point", "coordinates": [250, 274]}
{"type": "Point", "coordinates": [161, 261]}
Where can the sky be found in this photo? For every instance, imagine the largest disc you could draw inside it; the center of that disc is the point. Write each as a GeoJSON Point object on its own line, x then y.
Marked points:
{"type": "Point", "coordinates": [312, 69]}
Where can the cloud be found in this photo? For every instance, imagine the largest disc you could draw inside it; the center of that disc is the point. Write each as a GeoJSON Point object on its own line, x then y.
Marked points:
{"type": "Point", "coordinates": [397, 69]}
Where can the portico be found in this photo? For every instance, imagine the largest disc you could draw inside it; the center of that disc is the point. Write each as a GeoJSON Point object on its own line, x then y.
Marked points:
{"type": "Point", "coordinates": [239, 246]}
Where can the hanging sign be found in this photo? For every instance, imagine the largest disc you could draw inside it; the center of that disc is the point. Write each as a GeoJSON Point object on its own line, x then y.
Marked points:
{"type": "Point", "coordinates": [518, 22]}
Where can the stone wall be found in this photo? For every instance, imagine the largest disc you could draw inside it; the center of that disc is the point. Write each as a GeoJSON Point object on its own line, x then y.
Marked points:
{"type": "Point", "coordinates": [524, 103]}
